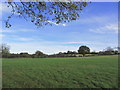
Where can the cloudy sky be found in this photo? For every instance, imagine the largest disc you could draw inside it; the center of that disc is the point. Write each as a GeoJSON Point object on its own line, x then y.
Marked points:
{"type": "Point", "coordinates": [97, 28]}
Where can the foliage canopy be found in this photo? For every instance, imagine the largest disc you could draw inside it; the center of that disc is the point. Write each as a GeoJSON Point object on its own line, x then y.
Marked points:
{"type": "Point", "coordinates": [43, 13]}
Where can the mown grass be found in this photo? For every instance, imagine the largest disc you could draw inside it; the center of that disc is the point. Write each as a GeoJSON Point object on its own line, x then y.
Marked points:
{"type": "Point", "coordinates": [80, 72]}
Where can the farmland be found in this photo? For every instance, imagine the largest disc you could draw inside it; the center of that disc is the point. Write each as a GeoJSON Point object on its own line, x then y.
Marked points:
{"type": "Point", "coordinates": [71, 72]}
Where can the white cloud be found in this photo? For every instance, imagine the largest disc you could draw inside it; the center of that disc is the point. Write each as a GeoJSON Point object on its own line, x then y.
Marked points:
{"type": "Point", "coordinates": [110, 28]}
{"type": "Point", "coordinates": [57, 24]}
{"type": "Point", "coordinates": [87, 43]}
{"type": "Point", "coordinates": [64, 24]}
{"type": "Point", "coordinates": [1, 35]}
{"type": "Point", "coordinates": [26, 30]}
{"type": "Point", "coordinates": [52, 22]}
{"type": "Point", "coordinates": [18, 30]}
{"type": "Point", "coordinates": [24, 39]}
{"type": "Point", "coordinates": [76, 42]}
{"type": "Point", "coordinates": [6, 31]}
{"type": "Point", "coordinates": [17, 37]}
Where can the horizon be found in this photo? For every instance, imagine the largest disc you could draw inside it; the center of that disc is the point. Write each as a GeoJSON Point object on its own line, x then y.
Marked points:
{"type": "Point", "coordinates": [96, 28]}
{"type": "Point", "coordinates": [114, 48]}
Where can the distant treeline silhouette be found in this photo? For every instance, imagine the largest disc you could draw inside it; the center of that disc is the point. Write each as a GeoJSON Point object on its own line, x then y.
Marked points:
{"type": "Point", "coordinates": [83, 51]}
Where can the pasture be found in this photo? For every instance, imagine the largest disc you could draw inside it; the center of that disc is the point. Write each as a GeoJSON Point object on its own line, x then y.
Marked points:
{"type": "Point", "coordinates": [73, 72]}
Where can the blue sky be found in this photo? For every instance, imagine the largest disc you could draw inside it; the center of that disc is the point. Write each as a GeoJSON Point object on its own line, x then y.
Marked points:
{"type": "Point", "coordinates": [97, 28]}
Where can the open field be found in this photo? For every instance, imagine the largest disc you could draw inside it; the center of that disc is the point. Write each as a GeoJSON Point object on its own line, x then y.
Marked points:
{"type": "Point", "coordinates": [78, 72]}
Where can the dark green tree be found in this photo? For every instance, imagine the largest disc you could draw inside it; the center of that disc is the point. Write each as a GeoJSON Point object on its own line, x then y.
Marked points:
{"type": "Point", "coordinates": [25, 54]}
{"type": "Point", "coordinates": [84, 50]}
{"type": "Point", "coordinates": [43, 13]}
{"type": "Point", "coordinates": [39, 54]}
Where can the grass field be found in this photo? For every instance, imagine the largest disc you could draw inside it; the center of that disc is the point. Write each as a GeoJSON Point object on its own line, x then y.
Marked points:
{"type": "Point", "coordinates": [79, 72]}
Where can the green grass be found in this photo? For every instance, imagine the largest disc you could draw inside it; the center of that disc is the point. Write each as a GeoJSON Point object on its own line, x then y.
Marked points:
{"type": "Point", "coordinates": [80, 72]}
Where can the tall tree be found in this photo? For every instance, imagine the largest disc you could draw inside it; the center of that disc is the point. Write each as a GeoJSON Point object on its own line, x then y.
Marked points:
{"type": "Point", "coordinates": [45, 13]}
{"type": "Point", "coordinates": [84, 50]}
{"type": "Point", "coordinates": [4, 50]}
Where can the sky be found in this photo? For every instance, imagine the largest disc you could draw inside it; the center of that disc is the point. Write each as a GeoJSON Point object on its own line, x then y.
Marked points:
{"type": "Point", "coordinates": [96, 28]}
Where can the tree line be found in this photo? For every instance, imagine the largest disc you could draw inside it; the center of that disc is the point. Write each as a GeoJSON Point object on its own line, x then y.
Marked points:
{"type": "Point", "coordinates": [82, 52]}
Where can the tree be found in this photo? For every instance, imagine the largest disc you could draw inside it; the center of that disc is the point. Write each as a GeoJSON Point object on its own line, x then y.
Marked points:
{"type": "Point", "coordinates": [69, 52]}
{"type": "Point", "coordinates": [108, 51]}
{"type": "Point", "coordinates": [46, 13]}
{"type": "Point", "coordinates": [25, 54]}
{"type": "Point", "coordinates": [39, 54]}
{"type": "Point", "coordinates": [84, 50]}
{"type": "Point", "coordinates": [4, 50]}
{"type": "Point", "coordinates": [116, 52]}
{"type": "Point", "coordinates": [94, 52]}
